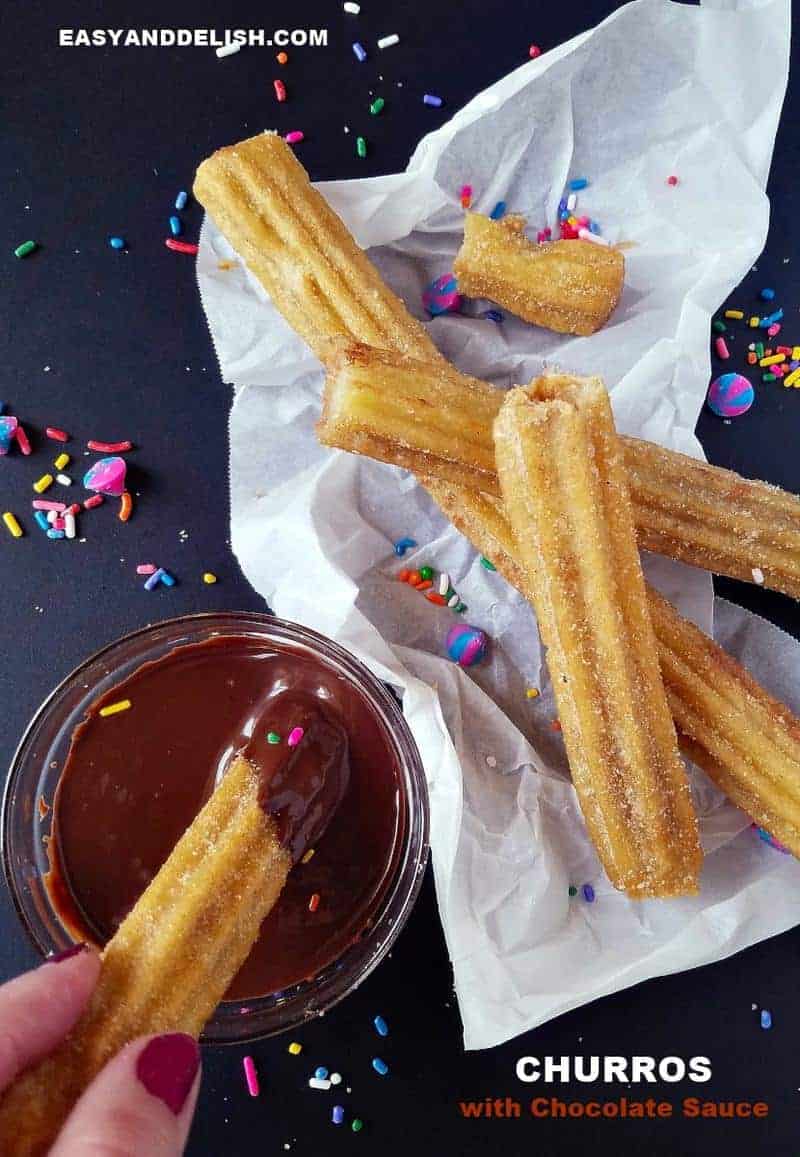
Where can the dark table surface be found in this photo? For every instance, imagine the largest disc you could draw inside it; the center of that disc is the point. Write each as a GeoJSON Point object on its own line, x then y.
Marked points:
{"type": "Point", "coordinates": [113, 345]}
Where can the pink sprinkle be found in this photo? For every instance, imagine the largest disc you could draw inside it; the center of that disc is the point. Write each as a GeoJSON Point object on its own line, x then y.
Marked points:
{"type": "Point", "coordinates": [294, 138]}
{"type": "Point", "coordinates": [540, 237]}
{"type": "Point", "coordinates": [146, 568]}
{"type": "Point", "coordinates": [58, 524]}
{"type": "Point", "coordinates": [466, 190]}
{"type": "Point", "coordinates": [534, 51]}
{"type": "Point", "coordinates": [672, 180]}
{"type": "Point", "coordinates": [22, 440]}
{"type": "Point", "coordinates": [251, 1076]}
{"type": "Point", "coordinates": [295, 735]}
{"type": "Point", "coordinates": [774, 330]}
{"type": "Point", "coordinates": [43, 504]}
{"type": "Point", "coordinates": [56, 434]}
{"type": "Point", "coordinates": [722, 349]}
{"type": "Point", "coordinates": [74, 509]}
{"type": "Point", "coordinates": [95, 500]}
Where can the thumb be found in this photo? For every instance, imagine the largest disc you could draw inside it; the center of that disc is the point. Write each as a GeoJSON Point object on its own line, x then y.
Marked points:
{"type": "Point", "coordinates": [142, 1102]}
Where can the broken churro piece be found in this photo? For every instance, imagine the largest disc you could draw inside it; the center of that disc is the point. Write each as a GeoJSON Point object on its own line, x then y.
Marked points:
{"type": "Point", "coordinates": [566, 286]}
{"type": "Point", "coordinates": [563, 480]}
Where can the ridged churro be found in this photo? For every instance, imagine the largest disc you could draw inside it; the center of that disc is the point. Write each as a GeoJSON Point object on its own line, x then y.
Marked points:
{"type": "Point", "coordinates": [260, 196]}
{"type": "Point", "coordinates": [566, 286]}
{"type": "Point", "coordinates": [744, 739]}
{"type": "Point", "coordinates": [563, 480]}
{"type": "Point", "coordinates": [433, 420]}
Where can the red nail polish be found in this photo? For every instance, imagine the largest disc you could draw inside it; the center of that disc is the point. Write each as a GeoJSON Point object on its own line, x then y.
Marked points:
{"type": "Point", "coordinates": [66, 953]}
{"type": "Point", "coordinates": [167, 1067]}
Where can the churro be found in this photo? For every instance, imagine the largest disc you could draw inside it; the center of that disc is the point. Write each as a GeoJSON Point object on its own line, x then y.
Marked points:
{"type": "Point", "coordinates": [563, 480]}
{"type": "Point", "coordinates": [433, 420]}
{"type": "Point", "coordinates": [260, 196]}
{"type": "Point", "coordinates": [567, 286]}
{"type": "Point", "coordinates": [176, 953]}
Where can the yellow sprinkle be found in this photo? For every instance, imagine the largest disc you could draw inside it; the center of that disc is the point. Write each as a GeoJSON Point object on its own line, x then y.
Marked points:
{"type": "Point", "coordinates": [773, 361]}
{"type": "Point", "coordinates": [44, 483]}
{"type": "Point", "coordinates": [115, 708]}
{"type": "Point", "coordinates": [532, 693]}
{"type": "Point", "coordinates": [753, 322]}
{"type": "Point", "coordinates": [736, 314]}
{"type": "Point", "coordinates": [12, 524]}
{"type": "Point", "coordinates": [61, 461]}
{"type": "Point", "coordinates": [226, 265]}
{"type": "Point", "coordinates": [209, 578]}
{"type": "Point", "coordinates": [789, 380]}
{"type": "Point", "coordinates": [796, 353]}
{"type": "Point", "coordinates": [307, 856]}
{"type": "Point", "coordinates": [295, 1049]}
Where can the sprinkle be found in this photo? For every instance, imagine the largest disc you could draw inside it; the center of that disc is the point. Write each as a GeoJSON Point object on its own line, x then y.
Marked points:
{"type": "Point", "coordinates": [766, 1018]}
{"type": "Point", "coordinates": [280, 90]}
{"type": "Point", "coordinates": [493, 315]}
{"type": "Point", "coordinates": [167, 579]}
{"type": "Point", "coordinates": [309, 855]}
{"type": "Point", "coordinates": [12, 524]}
{"type": "Point", "coordinates": [22, 440]}
{"type": "Point", "coordinates": [282, 58]}
{"type": "Point", "coordinates": [43, 483]}
{"type": "Point", "coordinates": [377, 105]}
{"type": "Point", "coordinates": [125, 506]}
{"type": "Point", "coordinates": [44, 504]}
{"type": "Point", "coordinates": [109, 447]}
{"type": "Point", "coordinates": [466, 196]}
{"type": "Point", "coordinates": [321, 1073]}
{"type": "Point", "coordinates": [774, 330]}
{"type": "Point", "coordinates": [752, 358]}
{"type": "Point", "coordinates": [41, 519]}
{"type": "Point", "coordinates": [61, 461]}
{"type": "Point", "coordinates": [337, 1114]}
{"type": "Point", "coordinates": [69, 525]}
{"type": "Point", "coordinates": [57, 435]}
{"type": "Point", "coordinates": [25, 249]}
{"type": "Point", "coordinates": [532, 693]}
{"type": "Point", "coordinates": [460, 608]}
{"type": "Point", "coordinates": [793, 377]}
{"type": "Point", "coordinates": [443, 585]}
{"type": "Point", "coordinates": [55, 520]}
{"type": "Point", "coordinates": [251, 1076]}
{"type": "Point", "coordinates": [498, 211]}
{"type": "Point", "coordinates": [432, 101]}
{"type": "Point", "coordinates": [381, 1027]}
{"type": "Point", "coordinates": [771, 378]}
{"type": "Point", "coordinates": [361, 147]}
{"type": "Point", "coordinates": [181, 199]}
{"type": "Point", "coordinates": [313, 903]}
{"type": "Point", "coordinates": [228, 49]}
{"type": "Point", "coordinates": [795, 351]}
{"type": "Point", "coordinates": [180, 246]}
{"type": "Point", "coordinates": [572, 890]}
{"type": "Point", "coordinates": [115, 708]}
{"type": "Point", "coordinates": [294, 137]}
{"type": "Point", "coordinates": [295, 735]}
{"type": "Point", "coordinates": [534, 51]}
{"type": "Point", "coordinates": [350, 8]}
{"type": "Point", "coordinates": [734, 314]}
{"type": "Point", "coordinates": [758, 575]}
{"type": "Point", "coordinates": [773, 317]}
{"type": "Point", "coordinates": [175, 226]}
{"type": "Point", "coordinates": [719, 326]}
{"type": "Point", "coordinates": [63, 480]}
{"type": "Point", "coordinates": [360, 51]}
{"type": "Point", "coordinates": [771, 361]}
{"type": "Point", "coordinates": [752, 322]}
{"type": "Point", "coordinates": [572, 201]}
{"type": "Point", "coordinates": [95, 500]}
{"type": "Point", "coordinates": [588, 235]}
{"type": "Point", "coordinates": [356, 1124]}
{"type": "Point", "coordinates": [117, 242]}
{"type": "Point", "coordinates": [412, 577]}
{"type": "Point", "coordinates": [273, 737]}
{"type": "Point", "coordinates": [426, 572]}
{"type": "Point", "coordinates": [402, 545]}
{"type": "Point", "coordinates": [672, 180]}
{"type": "Point", "coordinates": [722, 349]}
{"type": "Point", "coordinates": [336, 1078]}
{"type": "Point", "coordinates": [146, 568]}
{"type": "Point", "coordinates": [555, 724]}
{"type": "Point", "coordinates": [767, 294]}
{"type": "Point", "coordinates": [380, 1066]}
{"type": "Point", "coordinates": [209, 578]}
{"type": "Point", "coordinates": [295, 1048]}
{"type": "Point", "coordinates": [55, 533]}
{"type": "Point", "coordinates": [453, 602]}
{"type": "Point", "coordinates": [389, 41]}
{"type": "Point", "coordinates": [588, 893]}
{"type": "Point", "coordinates": [578, 183]}
{"type": "Point", "coordinates": [316, 1083]}
{"type": "Point", "coordinates": [438, 599]}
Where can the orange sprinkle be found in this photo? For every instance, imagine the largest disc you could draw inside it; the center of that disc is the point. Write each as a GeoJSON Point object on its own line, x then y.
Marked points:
{"type": "Point", "coordinates": [424, 586]}
{"type": "Point", "coordinates": [282, 58]}
{"type": "Point", "coordinates": [413, 577]}
{"type": "Point", "coordinates": [313, 903]}
{"type": "Point", "coordinates": [403, 576]}
{"type": "Point", "coordinates": [125, 506]}
{"type": "Point", "coordinates": [555, 725]}
{"type": "Point", "coordinates": [435, 597]}
{"type": "Point", "coordinates": [752, 358]}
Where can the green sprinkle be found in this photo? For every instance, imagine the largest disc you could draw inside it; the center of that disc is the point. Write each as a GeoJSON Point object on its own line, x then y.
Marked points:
{"type": "Point", "coordinates": [769, 377]}
{"type": "Point", "coordinates": [461, 608]}
{"type": "Point", "coordinates": [357, 1124]}
{"type": "Point", "coordinates": [377, 106]}
{"type": "Point", "coordinates": [759, 350]}
{"type": "Point", "coordinates": [361, 147]}
{"type": "Point", "coordinates": [426, 573]}
{"type": "Point", "coordinates": [273, 737]}
{"type": "Point", "coordinates": [485, 562]}
{"type": "Point", "coordinates": [25, 248]}
{"type": "Point", "coordinates": [719, 326]}
{"type": "Point", "coordinates": [573, 891]}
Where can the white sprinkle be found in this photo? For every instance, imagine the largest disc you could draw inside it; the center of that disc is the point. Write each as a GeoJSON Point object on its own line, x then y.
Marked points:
{"type": "Point", "coordinates": [353, 9]}
{"type": "Point", "coordinates": [52, 515]}
{"type": "Point", "coordinates": [228, 49]}
{"type": "Point", "coordinates": [758, 575]}
{"type": "Point", "coordinates": [63, 479]}
{"type": "Point", "coordinates": [444, 583]}
{"type": "Point", "coordinates": [336, 1078]}
{"type": "Point", "coordinates": [454, 601]}
{"type": "Point", "coordinates": [595, 238]}
{"type": "Point", "coordinates": [389, 41]}
{"type": "Point", "coordinates": [69, 525]}
{"type": "Point", "coordinates": [317, 1083]}
{"type": "Point", "coordinates": [572, 201]}
{"type": "Point", "coordinates": [491, 761]}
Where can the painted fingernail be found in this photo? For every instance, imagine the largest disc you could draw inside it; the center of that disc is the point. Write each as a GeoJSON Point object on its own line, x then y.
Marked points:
{"type": "Point", "coordinates": [167, 1067]}
{"type": "Point", "coordinates": [66, 953]}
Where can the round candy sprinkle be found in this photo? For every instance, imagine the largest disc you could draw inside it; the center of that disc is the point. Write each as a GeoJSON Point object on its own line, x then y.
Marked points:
{"type": "Point", "coordinates": [534, 51]}
{"type": "Point", "coordinates": [730, 395]}
{"type": "Point", "coordinates": [442, 295]}
{"type": "Point", "coordinates": [766, 1018]}
{"type": "Point", "coordinates": [767, 294]}
{"type": "Point", "coordinates": [107, 476]}
{"type": "Point", "coordinates": [282, 58]}
{"type": "Point", "coordinates": [381, 1027]}
{"type": "Point", "coordinates": [273, 737]}
{"type": "Point", "coordinates": [588, 893]}
{"type": "Point", "coordinates": [336, 1078]}
{"type": "Point", "coordinates": [117, 242]}
{"type": "Point", "coordinates": [380, 1066]}
{"type": "Point", "coordinates": [357, 1124]}
{"type": "Point", "coordinates": [672, 180]}
{"type": "Point", "coordinates": [426, 573]}
{"type": "Point", "coordinates": [466, 645]}
{"type": "Point", "coordinates": [321, 1073]}
{"type": "Point", "coordinates": [209, 578]}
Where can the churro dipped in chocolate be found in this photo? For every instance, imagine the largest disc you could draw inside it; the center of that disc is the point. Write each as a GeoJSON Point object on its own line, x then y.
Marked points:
{"type": "Point", "coordinates": [176, 953]}
{"type": "Point", "coordinates": [431, 419]}
{"type": "Point", "coordinates": [291, 240]}
{"type": "Point", "coordinates": [567, 286]}
{"type": "Point", "coordinates": [563, 480]}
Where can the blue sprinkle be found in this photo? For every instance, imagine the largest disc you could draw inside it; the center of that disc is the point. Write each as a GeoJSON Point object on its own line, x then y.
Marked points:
{"type": "Point", "coordinates": [155, 578]}
{"type": "Point", "coordinates": [493, 315]}
{"type": "Point", "coordinates": [766, 1018]}
{"type": "Point", "coordinates": [562, 205]}
{"type": "Point", "coordinates": [380, 1066]}
{"type": "Point", "coordinates": [360, 51]}
{"type": "Point", "coordinates": [321, 1073]}
{"type": "Point", "coordinates": [181, 199]}
{"type": "Point", "coordinates": [337, 1114]}
{"type": "Point", "coordinates": [117, 242]}
{"type": "Point", "coordinates": [498, 211]}
{"type": "Point", "coordinates": [166, 577]}
{"type": "Point", "coordinates": [562, 216]}
{"type": "Point", "coordinates": [381, 1027]}
{"type": "Point", "coordinates": [175, 226]}
{"type": "Point", "coordinates": [402, 545]}
{"type": "Point", "coordinates": [594, 227]}
{"type": "Point", "coordinates": [56, 533]}
{"type": "Point", "coordinates": [767, 294]}
{"type": "Point", "coordinates": [41, 518]}
{"type": "Point", "coordinates": [588, 893]}
{"type": "Point", "coordinates": [578, 183]}
{"type": "Point", "coordinates": [431, 100]}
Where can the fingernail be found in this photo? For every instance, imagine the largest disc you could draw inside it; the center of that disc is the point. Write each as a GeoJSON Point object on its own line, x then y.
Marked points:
{"type": "Point", "coordinates": [167, 1067]}
{"type": "Point", "coordinates": [66, 953]}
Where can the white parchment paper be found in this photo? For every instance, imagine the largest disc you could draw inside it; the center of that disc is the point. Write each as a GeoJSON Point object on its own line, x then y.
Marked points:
{"type": "Point", "coordinates": [658, 88]}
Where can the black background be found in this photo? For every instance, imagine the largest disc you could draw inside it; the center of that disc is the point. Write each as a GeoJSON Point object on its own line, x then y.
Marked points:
{"type": "Point", "coordinates": [98, 142]}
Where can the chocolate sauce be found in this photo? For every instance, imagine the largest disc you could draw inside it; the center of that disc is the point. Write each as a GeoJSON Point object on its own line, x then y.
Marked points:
{"type": "Point", "coordinates": [133, 782]}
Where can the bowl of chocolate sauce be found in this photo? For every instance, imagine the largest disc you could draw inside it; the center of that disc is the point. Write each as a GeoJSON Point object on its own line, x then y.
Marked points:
{"type": "Point", "coordinates": [96, 800]}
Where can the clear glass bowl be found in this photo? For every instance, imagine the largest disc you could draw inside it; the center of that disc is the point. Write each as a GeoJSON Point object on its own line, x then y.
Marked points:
{"type": "Point", "coordinates": [41, 754]}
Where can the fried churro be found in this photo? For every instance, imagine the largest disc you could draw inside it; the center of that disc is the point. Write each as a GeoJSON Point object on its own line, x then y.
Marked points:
{"type": "Point", "coordinates": [567, 286]}
{"type": "Point", "coordinates": [176, 953]}
{"type": "Point", "coordinates": [563, 480]}
{"type": "Point", "coordinates": [260, 196]}
{"type": "Point", "coordinates": [433, 420]}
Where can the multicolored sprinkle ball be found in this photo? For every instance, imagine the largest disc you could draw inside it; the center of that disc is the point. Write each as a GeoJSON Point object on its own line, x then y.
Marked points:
{"type": "Point", "coordinates": [730, 395]}
{"type": "Point", "coordinates": [106, 476]}
{"type": "Point", "coordinates": [466, 645]}
{"type": "Point", "coordinates": [442, 295]}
